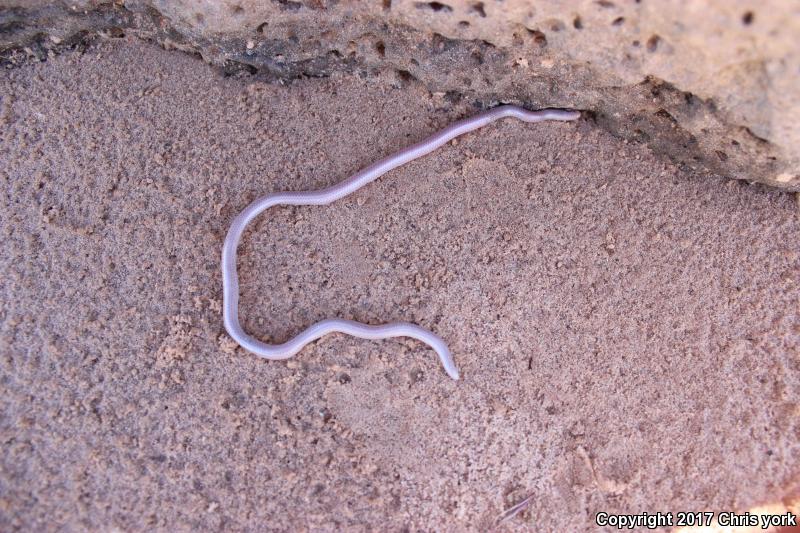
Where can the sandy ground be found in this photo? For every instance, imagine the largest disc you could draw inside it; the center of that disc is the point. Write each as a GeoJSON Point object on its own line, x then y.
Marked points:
{"type": "Point", "coordinates": [627, 334]}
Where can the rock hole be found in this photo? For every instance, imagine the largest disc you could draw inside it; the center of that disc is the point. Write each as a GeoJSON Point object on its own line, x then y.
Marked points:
{"type": "Point", "coordinates": [722, 155]}
{"type": "Point", "coordinates": [463, 24]}
{"type": "Point", "coordinates": [479, 9]}
{"type": "Point", "coordinates": [452, 96]}
{"type": "Point", "coordinates": [538, 37]}
{"type": "Point", "coordinates": [237, 9]}
{"type": "Point", "coordinates": [288, 5]}
{"type": "Point", "coordinates": [605, 3]}
{"type": "Point", "coordinates": [577, 23]}
{"type": "Point", "coordinates": [477, 56]}
{"type": "Point", "coordinates": [555, 25]}
{"type": "Point", "coordinates": [663, 113]}
{"type": "Point", "coordinates": [619, 21]}
{"type": "Point", "coordinates": [405, 76]}
{"type": "Point", "coordinates": [440, 43]}
{"type": "Point", "coordinates": [380, 47]}
{"type": "Point", "coordinates": [636, 44]}
{"type": "Point", "coordinates": [747, 18]}
{"type": "Point", "coordinates": [261, 28]}
{"type": "Point", "coordinates": [387, 5]}
{"type": "Point", "coordinates": [434, 6]}
{"type": "Point", "coordinates": [652, 43]}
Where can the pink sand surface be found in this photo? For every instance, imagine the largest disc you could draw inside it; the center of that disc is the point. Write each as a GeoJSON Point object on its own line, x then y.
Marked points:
{"type": "Point", "coordinates": [627, 332]}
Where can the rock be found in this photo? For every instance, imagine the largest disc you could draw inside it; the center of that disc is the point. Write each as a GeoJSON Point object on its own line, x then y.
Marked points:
{"type": "Point", "coordinates": [709, 85]}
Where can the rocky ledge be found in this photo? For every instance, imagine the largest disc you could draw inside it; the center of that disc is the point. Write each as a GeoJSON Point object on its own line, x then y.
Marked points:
{"type": "Point", "coordinates": [712, 85]}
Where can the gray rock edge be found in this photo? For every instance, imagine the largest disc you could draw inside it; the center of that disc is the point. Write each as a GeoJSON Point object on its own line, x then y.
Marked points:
{"type": "Point", "coordinates": [692, 132]}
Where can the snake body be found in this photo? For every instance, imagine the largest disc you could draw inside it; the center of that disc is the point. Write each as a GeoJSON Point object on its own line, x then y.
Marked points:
{"type": "Point", "coordinates": [230, 279]}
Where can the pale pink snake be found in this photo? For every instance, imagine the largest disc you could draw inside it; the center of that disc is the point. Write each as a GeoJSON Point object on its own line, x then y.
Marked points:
{"type": "Point", "coordinates": [230, 281]}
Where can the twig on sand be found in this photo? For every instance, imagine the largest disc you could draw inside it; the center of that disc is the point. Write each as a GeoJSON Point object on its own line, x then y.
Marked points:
{"type": "Point", "coordinates": [513, 511]}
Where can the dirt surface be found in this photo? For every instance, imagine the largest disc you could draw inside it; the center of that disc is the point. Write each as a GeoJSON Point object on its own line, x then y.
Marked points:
{"type": "Point", "coordinates": [627, 334]}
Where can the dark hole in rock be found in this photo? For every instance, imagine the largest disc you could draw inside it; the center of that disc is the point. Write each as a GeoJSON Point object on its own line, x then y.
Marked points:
{"type": "Point", "coordinates": [434, 6]}
{"type": "Point", "coordinates": [288, 5]}
{"type": "Point", "coordinates": [479, 9]}
{"type": "Point", "coordinates": [405, 76]}
{"type": "Point", "coordinates": [538, 37]}
{"type": "Point", "coordinates": [663, 113]}
{"type": "Point", "coordinates": [652, 43]}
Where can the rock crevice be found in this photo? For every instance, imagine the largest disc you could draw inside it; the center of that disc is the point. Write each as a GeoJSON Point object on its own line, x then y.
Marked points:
{"type": "Point", "coordinates": [707, 84]}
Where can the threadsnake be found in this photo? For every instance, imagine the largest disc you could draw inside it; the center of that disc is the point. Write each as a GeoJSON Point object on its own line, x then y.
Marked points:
{"type": "Point", "coordinates": [230, 280]}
